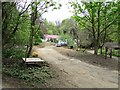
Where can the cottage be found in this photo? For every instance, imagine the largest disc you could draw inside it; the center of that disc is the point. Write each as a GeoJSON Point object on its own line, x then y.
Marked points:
{"type": "Point", "coordinates": [50, 37]}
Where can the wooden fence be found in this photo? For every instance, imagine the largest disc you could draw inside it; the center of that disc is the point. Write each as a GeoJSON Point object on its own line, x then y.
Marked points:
{"type": "Point", "coordinates": [109, 46]}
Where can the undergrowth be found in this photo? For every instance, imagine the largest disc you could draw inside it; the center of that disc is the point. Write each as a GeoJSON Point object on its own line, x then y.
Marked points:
{"type": "Point", "coordinates": [29, 73]}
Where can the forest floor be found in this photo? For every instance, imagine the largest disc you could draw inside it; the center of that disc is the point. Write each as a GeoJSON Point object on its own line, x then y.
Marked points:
{"type": "Point", "coordinates": [77, 69]}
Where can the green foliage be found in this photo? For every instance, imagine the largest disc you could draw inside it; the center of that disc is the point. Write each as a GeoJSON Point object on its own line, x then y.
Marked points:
{"type": "Point", "coordinates": [51, 28]}
{"type": "Point", "coordinates": [100, 18]}
{"type": "Point", "coordinates": [37, 39]}
{"type": "Point", "coordinates": [37, 36]}
{"type": "Point", "coordinates": [14, 53]}
{"type": "Point", "coordinates": [67, 24]}
{"type": "Point", "coordinates": [16, 24]}
{"type": "Point", "coordinates": [68, 38]}
{"type": "Point", "coordinates": [22, 35]}
{"type": "Point", "coordinates": [84, 12]}
{"type": "Point", "coordinates": [28, 73]}
{"type": "Point", "coordinates": [73, 31]}
{"type": "Point", "coordinates": [14, 43]}
{"type": "Point", "coordinates": [50, 32]}
{"type": "Point", "coordinates": [9, 20]}
{"type": "Point", "coordinates": [68, 27]}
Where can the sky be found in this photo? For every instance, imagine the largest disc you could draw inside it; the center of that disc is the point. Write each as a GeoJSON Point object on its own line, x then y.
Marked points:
{"type": "Point", "coordinates": [62, 13]}
{"type": "Point", "coordinates": [59, 14]}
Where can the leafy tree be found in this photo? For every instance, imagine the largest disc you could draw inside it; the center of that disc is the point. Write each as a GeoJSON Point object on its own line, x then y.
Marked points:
{"type": "Point", "coordinates": [97, 17]}
{"type": "Point", "coordinates": [50, 27]}
{"type": "Point", "coordinates": [15, 28]}
{"type": "Point", "coordinates": [67, 31]}
{"type": "Point", "coordinates": [71, 28]}
{"type": "Point", "coordinates": [19, 22]}
{"type": "Point", "coordinates": [37, 9]}
{"type": "Point", "coordinates": [11, 19]}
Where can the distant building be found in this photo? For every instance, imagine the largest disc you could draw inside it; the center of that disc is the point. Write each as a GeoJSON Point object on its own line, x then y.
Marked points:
{"type": "Point", "coordinates": [50, 37]}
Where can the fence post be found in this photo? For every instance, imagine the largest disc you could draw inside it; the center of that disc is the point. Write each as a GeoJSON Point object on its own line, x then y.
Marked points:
{"type": "Point", "coordinates": [106, 50]}
{"type": "Point", "coordinates": [110, 52]}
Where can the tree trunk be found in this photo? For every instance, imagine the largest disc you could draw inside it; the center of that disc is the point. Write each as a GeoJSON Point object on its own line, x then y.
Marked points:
{"type": "Point", "coordinates": [93, 30]}
{"type": "Point", "coordinates": [30, 43]}
{"type": "Point", "coordinates": [98, 32]}
{"type": "Point", "coordinates": [31, 36]}
{"type": "Point", "coordinates": [33, 19]}
{"type": "Point", "coordinates": [8, 37]}
{"type": "Point", "coordinates": [110, 52]}
{"type": "Point", "coordinates": [96, 48]}
{"type": "Point", "coordinates": [119, 25]}
{"type": "Point", "coordinates": [96, 51]}
{"type": "Point", "coordinates": [101, 50]}
{"type": "Point", "coordinates": [106, 50]}
{"type": "Point", "coordinates": [105, 32]}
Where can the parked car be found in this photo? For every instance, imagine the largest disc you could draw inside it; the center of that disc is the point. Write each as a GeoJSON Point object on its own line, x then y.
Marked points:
{"type": "Point", "coordinates": [61, 43]}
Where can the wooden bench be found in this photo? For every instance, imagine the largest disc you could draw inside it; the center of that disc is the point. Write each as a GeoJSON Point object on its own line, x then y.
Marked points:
{"type": "Point", "coordinates": [32, 60]}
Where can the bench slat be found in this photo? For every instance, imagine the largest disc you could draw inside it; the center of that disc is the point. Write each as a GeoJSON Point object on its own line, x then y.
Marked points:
{"type": "Point", "coordinates": [32, 60]}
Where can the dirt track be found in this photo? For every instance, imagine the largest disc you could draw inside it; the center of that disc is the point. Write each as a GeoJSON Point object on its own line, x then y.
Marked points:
{"type": "Point", "coordinates": [74, 73]}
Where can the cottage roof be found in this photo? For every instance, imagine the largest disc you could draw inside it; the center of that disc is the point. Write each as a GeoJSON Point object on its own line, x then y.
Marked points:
{"type": "Point", "coordinates": [51, 36]}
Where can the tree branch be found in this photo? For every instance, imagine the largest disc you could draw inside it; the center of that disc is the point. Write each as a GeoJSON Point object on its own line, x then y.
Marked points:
{"type": "Point", "coordinates": [41, 6]}
{"type": "Point", "coordinates": [25, 9]}
{"type": "Point", "coordinates": [112, 32]}
{"type": "Point", "coordinates": [107, 26]}
{"type": "Point", "coordinates": [87, 17]}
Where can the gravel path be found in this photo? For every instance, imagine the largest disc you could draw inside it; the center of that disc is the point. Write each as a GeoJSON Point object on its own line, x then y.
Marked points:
{"type": "Point", "coordinates": [75, 73]}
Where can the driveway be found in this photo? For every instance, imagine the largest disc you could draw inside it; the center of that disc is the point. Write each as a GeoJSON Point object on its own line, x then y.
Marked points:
{"type": "Point", "coordinates": [75, 73]}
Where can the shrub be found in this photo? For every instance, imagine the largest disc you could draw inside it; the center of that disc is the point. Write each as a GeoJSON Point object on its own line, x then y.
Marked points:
{"type": "Point", "coordinates": [13, 53]}
{"type": "Point", "coordinates": [31, 73]}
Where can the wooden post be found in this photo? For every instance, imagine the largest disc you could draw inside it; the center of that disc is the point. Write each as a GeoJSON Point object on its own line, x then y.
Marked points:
{"type": "Point", "coordinates": [110, 52]}
{"type": "Point", "coordinates": [101, 50]}
{"type": "Point", "coordinates": [106, 50]}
